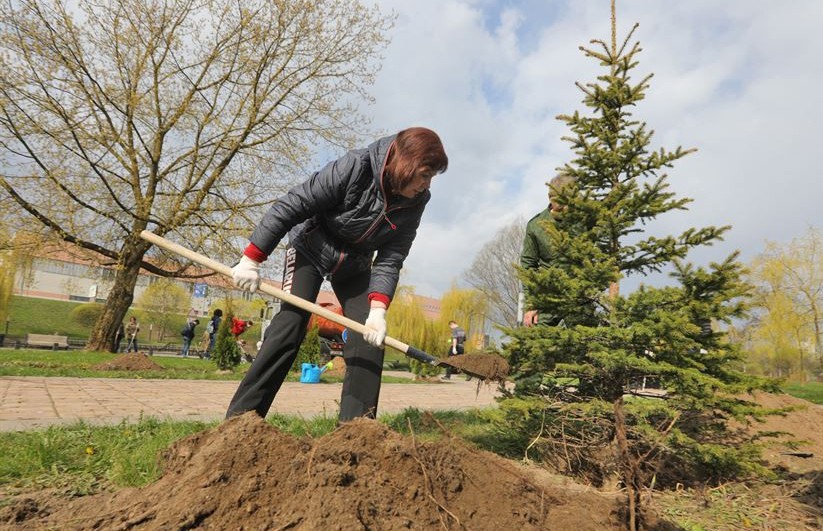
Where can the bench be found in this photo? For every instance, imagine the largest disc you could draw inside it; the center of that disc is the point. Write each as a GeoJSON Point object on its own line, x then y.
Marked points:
{"type": "Point", "coordinates": [47, 340]}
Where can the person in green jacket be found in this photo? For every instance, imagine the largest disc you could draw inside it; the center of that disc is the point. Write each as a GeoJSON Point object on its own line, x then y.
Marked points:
{"type": "Point", "coordinates": [536, 246]}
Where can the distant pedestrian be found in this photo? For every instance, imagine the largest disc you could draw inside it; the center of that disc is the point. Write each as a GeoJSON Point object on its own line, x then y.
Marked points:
{"type": "Point", "coordinates": [212, 328]}
{"type": "Point", "coordinates": [456, 345]}
{"type": "Point", "coordinates": [131, 332]}
{"type": "Point", "coordinates": [188, 336]}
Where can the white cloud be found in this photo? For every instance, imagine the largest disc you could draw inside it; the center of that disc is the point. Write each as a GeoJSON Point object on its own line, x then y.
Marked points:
{"type": "Point", "coordinates": [739, 80]}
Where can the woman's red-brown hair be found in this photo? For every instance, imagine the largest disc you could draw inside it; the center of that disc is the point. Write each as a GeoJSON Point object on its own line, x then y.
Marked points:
{"type": "Point", "coordinates": [414, 148]}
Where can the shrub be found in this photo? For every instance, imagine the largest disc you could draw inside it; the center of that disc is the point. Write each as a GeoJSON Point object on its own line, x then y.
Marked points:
{"type": "Point", "coordinates": [87, 314]}
{"type": "Point", "coordinates": [309, 350]}
{"type": "Point", "coordinates": [227, 352]}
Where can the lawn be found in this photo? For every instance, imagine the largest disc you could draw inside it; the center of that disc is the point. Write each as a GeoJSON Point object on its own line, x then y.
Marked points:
{"type": "Point", "coordinates": [80, 363]}
{"type": "Point", "coordinates": [811, 391]}
{"type": "Point", "coordinates": [29, 315]}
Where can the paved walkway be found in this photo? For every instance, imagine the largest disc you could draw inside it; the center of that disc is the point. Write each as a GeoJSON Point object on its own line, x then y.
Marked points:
{"type": "Point", "coordinates": [36, 402]}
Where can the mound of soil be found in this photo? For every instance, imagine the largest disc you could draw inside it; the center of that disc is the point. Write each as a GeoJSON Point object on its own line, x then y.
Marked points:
{"type": "Point", "coordinates": [800, 446]}
{"type": "Point", "coordinates": [245, 474]}
{"type": "Point", "coordinates": [129, 362]}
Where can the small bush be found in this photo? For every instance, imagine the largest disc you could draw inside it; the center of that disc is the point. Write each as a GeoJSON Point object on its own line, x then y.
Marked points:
{"type": "Point", "coordinates": [309, 350]}
{"type": "Point", "coordinates": [87, 314]}
{"type": "Point", "coordinates": [226, 353]}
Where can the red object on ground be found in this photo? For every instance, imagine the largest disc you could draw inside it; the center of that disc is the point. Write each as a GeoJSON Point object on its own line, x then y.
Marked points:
{"type": "Point", "coordinates": [238, 326]}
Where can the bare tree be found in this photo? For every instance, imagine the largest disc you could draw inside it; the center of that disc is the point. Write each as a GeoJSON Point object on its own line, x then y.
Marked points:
{"type": "Point", "coordinates": [494, 275]}
{"type": "Point", "coordinates": [183, 117]}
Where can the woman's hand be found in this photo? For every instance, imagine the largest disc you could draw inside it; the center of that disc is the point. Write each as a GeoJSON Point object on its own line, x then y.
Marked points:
{"type": "Point", "coordinates": [375, 332]}
{"type": "Point", "coordinates": [246, 274]}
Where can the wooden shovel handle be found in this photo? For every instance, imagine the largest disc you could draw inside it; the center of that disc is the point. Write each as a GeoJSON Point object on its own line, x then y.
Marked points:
{"type": "Point", "coordinates": [280, 294]}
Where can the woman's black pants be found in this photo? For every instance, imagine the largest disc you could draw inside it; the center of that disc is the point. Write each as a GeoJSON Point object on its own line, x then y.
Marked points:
{"type": "Point", "coordinates": [282, 339]}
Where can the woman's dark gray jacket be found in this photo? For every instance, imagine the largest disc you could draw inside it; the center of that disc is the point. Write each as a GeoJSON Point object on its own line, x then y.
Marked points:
{"type": "Point", "coordinates": [340, 217]}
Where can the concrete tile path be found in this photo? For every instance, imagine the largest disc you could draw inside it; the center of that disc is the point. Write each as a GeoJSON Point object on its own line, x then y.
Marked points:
{"type": "Point", "coordinates": [35, 402]}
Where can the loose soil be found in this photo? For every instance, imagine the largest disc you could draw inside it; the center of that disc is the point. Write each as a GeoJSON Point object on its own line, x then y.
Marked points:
{"type": "Point", "coordinates": [129, 362]}
{"type": "Point", "coordinates": [245, 474]}
{"type": "Point", "coordinates": [487, 367]}
{"type": "Point", "coordinates": [799, 446]}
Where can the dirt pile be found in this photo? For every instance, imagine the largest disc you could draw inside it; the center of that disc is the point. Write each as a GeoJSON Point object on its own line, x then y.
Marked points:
{"type": "Point", "coordinates": [800, 446]}
{"type": "Point", "coordinates": [245, 475]}
{"type": "Point", "coordinates": [129, 362]}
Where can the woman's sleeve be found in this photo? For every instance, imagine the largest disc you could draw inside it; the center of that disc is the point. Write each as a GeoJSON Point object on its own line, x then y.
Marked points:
{"type": "Point", "coordinates": [324, 190]}
{"type": "Point", "coordinates": [387, 264]}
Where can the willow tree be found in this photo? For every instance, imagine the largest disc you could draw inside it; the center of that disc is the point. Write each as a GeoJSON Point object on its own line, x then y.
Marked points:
{"type": "Point", "coordinates": [406, 321]}
{"type": "Point", "coordinates": [469, 308]}
{"type": "Point", "coordinates": [7, 270]}
{"type": "Point", "coordinates": [789, 299]}
{"type": "Point", "coordinates": [176, 116]}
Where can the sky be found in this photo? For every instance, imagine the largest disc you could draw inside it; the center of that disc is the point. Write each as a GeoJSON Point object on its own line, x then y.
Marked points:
{"type": "Point", "coordinates": [740, 80]}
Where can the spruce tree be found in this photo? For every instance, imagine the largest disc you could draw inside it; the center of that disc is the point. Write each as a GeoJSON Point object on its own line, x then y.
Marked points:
{"type": "Point", "coordinates": [226, 354]}
{"type": "Point", "coordinates": [574, 382]}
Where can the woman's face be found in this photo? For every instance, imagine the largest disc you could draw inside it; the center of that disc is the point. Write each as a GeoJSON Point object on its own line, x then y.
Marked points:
{"type": "Point", "coordinates": [419, 183]}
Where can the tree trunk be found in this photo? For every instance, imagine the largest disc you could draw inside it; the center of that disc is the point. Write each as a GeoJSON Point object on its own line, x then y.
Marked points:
{"type": "Point", "coordinates": [119, 299]}
{"type": "Point", "coordinates": [627, 466]}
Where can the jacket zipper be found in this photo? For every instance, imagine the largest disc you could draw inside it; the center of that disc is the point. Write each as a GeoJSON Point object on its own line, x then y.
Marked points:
{"type": "Point", "coordinates": [383, 216]}
{"type": "Point", "coordinates": [383, 211]}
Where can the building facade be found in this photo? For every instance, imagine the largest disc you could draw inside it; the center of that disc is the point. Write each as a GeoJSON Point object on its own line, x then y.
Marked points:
{"type": "Point", "coordinates": [69, 273]}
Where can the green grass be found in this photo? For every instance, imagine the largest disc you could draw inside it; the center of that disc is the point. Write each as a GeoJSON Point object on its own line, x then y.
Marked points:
{"type": "Point", "coordinates": [28, 315]}
{"type": "Point", "coordinates": [812, 391]}
{"type": "Point", "coordinates": [80, 363]}
{"type": "Point", "coordinates": [82, 459]}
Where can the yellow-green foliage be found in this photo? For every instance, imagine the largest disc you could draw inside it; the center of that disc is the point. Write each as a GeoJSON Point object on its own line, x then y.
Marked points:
{"type": "Point", "coordinates": [468, 308]}
{"type": "Point", "coordinates": [309, 351]}
{"type": "Point", "coordinates": [6, 282]}
{"type": "Point", "coordinates": [8, 267]}
{"type": "Point", "coordinates": [87, 314]}
{"type": "Point", "coordinates": [406, 322]}
{"type": "Point", "coordinates": [242, 309]}
{"type": "Point", "coordinates": [783, 341]}
{"type": "Point", "coordinates": [160, 305]}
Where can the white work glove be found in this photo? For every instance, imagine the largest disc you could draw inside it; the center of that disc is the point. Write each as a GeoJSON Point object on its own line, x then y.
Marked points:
{"type": "Point", "coordinates": [375, 331]}
{"type": "Point", "coordinates": [454, 351]}
{"type": "Point", "coordinates": [246, 274]}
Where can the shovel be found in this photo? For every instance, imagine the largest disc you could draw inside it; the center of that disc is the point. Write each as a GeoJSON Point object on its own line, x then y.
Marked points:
{"type": "Point", "coordinates": [412, 352]}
